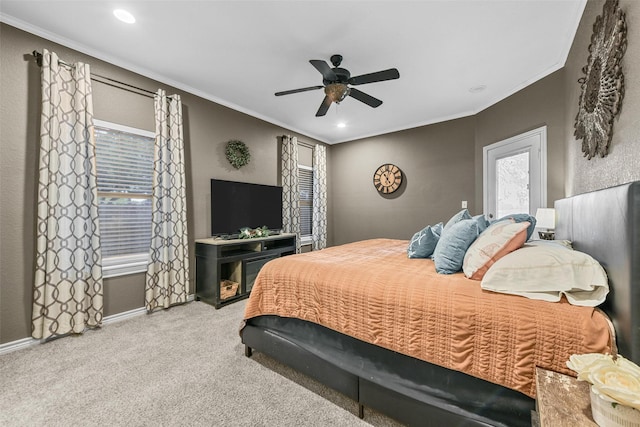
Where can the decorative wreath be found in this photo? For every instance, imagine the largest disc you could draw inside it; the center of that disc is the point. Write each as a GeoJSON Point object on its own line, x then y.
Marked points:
{"type": "Point", "coordinates": [603, 82]}
{"type": "Point", "coordinates": [237, 153]}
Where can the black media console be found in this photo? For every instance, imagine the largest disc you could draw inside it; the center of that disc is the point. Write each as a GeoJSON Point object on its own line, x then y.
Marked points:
{"type": "Point", "coordinates": [226, 269]}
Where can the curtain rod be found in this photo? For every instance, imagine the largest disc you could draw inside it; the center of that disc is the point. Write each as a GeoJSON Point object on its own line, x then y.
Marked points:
{"type": "Point", "coordinates": [304, 144]}
{"type": "Point", "coordinates": [118, 84]}
{"type": "Point", "coordinates": [102, 79]}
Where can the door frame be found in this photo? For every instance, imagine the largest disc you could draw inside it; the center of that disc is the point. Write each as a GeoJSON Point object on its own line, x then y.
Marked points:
{"type": "Point", "coordinates": [517, 144]}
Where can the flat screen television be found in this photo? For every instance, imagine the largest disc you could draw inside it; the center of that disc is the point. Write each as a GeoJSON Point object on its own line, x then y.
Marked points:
{"type": "Point", "coordinates": [235, 205]}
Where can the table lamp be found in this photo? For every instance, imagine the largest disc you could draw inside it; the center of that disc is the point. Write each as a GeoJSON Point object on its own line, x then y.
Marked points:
{"type": "Point", "coordinates": [546, 218]}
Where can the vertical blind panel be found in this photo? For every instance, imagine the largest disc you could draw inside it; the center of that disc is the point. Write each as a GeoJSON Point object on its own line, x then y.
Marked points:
{"type": "Point", "coordinates": [124, 161]}
{"type": "Point", "coordinates": [305, 180]}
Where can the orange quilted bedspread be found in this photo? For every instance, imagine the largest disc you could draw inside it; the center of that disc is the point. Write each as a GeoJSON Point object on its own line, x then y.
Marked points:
{"type": "Point", "coordinates": [371, 291]}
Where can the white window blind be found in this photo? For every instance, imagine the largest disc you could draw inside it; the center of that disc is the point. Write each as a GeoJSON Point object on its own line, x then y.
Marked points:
{"type": "Point", "coordinates": [305, 181]}
{"type": "Point", "coordinates": [124, 158]}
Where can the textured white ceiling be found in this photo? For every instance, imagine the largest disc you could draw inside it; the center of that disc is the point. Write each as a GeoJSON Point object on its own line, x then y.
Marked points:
{"type": "Point", "coordinates": [239, 53]}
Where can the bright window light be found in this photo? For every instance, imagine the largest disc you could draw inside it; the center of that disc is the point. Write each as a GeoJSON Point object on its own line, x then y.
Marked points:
{"type": "Point", "coordinates": [124, 16]}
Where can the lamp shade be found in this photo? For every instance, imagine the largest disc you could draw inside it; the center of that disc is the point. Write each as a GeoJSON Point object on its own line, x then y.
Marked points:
{"type": "Point", "coordinates": [546, 218]}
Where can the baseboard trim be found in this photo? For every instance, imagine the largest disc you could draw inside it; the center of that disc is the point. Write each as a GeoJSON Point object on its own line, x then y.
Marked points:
{"type": "Point", "coordinates": [118, 317]}
{"type": "Point", "coordinates": [28, 342]}
{"type": "Point", "coordinates": [17, 345]}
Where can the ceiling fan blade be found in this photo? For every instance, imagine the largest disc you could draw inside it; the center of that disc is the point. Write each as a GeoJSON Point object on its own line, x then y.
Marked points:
{"type": "Point", "coordinates": [304, 89]}
{"type": "Point", "coordinates": [325, 69]}
{"type": "Point", "coordinates": [324, 107]}
{"type": "Point", "coordinates": [363, 97]}
{"type": "Point", "coordinates": [378, 76]}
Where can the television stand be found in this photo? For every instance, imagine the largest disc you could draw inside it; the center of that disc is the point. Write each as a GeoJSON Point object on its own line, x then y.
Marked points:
{"type": "Point", "coordinates": [227, 269]}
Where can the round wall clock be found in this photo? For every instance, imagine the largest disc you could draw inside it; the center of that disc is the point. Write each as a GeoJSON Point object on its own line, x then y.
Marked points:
{"type": "Point", "coordinates": [387, 178]}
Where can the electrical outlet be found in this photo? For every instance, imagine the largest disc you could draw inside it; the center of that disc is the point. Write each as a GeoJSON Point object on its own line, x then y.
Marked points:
{"type": "Point", "coordinates": [464, 204]}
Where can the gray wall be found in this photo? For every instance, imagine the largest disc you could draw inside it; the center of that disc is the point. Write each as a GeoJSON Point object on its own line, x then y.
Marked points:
{"type": "Point", "coordinates": [208, 126]}
{"type": "Point", "coordinates": [623, 162]}
{"type": "Point", "coordinates": [438, 164]}
{"type": "Point", "coordinates": [539, 104]}
{"type": "Point", "coordinates": [442, 164]}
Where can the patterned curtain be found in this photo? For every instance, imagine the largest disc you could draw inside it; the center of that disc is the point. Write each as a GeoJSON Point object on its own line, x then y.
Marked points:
{"type": "Point", "coordinates": [168, 269]}
{"type": "Point", "coordinates": [290, 188]}
{"type": "Point", "coordinates": [67, 295]}
{"type": "Point", "coordinates": [319, 227]}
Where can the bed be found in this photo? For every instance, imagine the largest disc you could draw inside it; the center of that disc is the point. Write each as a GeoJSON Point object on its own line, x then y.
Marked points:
{"type": "Point", "coordinates": [437, 373]}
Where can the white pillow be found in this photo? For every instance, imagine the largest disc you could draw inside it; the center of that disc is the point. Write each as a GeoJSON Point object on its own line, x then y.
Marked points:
{"type": "Point", "coordinates": [546, 272]}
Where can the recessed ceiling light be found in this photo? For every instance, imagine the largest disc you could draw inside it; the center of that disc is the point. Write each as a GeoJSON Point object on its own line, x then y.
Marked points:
{"type": "Point", "coordinates": [124, 16]}
{"type": "Point", "coordinates": [342, 125]}
{"type": "Point", "coordinates": [477, 89]}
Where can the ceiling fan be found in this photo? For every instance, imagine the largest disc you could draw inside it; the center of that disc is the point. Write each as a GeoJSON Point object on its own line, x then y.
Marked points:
{"type": "Point", "coordinates": [336, 83]}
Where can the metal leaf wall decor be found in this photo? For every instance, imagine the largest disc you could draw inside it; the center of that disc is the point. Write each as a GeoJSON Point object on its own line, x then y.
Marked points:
{"type": "Point", "coordinates": [603, 82]}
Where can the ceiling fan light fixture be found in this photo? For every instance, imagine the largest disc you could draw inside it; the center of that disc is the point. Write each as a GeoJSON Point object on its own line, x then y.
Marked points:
{"type": "Point", "coordinates": [336, 91]}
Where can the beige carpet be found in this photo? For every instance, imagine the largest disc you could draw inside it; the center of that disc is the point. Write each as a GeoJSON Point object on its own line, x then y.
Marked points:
{"type": "Point", "coordinates": [180, 367]}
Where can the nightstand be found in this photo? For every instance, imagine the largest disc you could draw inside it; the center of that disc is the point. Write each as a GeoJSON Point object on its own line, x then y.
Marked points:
{"type": "Point", "coordinates": [562, 401]}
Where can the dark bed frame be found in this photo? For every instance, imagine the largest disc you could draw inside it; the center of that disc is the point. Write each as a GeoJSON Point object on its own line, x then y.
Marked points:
{"type": "Point", "coordinates": [604, 224]}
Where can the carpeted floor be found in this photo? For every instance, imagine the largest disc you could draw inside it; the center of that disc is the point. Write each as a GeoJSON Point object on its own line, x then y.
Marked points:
{"type": "Point", "coordinates": [180, 367]}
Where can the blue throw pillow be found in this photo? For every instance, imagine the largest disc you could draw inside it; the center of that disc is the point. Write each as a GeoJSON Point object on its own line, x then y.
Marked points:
{"type": "Point", "coordinates": [482, 223]}
{"type": "Point", "coordinates": [463, 214]}
{"type": "Point", "coordinates": [424, 241]}
{"type": "Point", "coordinates": [453, 244]}
{"type": "Point", "coordinates": [522, 217]}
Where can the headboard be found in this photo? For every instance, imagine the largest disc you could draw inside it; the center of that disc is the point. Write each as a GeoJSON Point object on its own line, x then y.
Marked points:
{"type": "Point", "coordinates": [606, 225]}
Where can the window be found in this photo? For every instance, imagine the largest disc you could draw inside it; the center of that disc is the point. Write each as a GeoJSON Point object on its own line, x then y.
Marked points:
{"type": "Point", "coordinates": [124, 158]}
{"type": "Point", "coordinates": [305, 181]}
{"type": "Point", "coordinates": [515, 174]}
{"type": "Point", "coordinates": [512, 184]}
